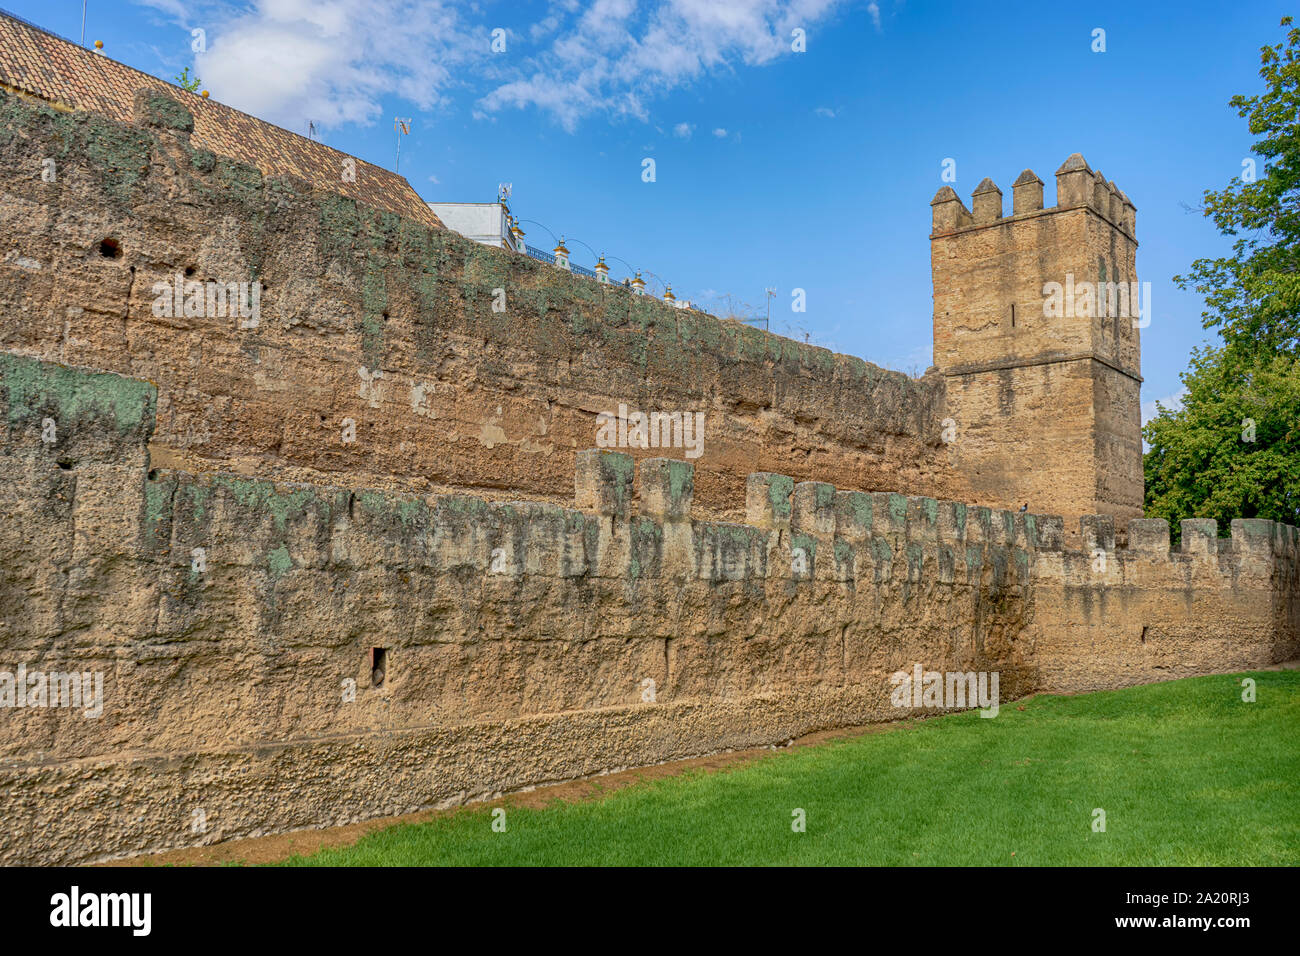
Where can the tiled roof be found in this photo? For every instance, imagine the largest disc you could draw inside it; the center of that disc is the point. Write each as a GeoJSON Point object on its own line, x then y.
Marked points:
{"type": "Point", "coordinates": [50, 68]}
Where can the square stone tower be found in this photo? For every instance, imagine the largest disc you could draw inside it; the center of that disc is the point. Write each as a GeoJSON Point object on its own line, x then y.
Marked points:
{"type": "Point", "coordinates": [1042, 381]}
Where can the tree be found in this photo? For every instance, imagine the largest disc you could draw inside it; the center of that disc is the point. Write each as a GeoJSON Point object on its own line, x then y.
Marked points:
{"type": "Point", "coordinates": [1233, 449]}
{"type": "Point", "coordinates": [184, 82]}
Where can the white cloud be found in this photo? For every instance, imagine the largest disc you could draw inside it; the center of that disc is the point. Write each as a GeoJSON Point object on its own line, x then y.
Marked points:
{"type": "Point", "coordinates": [333, 61]}
{"type": "Point", "coordinates": [338, 61]}
{"type": "Point", "coordinates": [435, 180]}
{"type": "Point", "coordinates": [825, 111]}
{"type": "Point", "coordinates": [873, 8]}
{"type": "Point", "coordinates": [720, 133]}
{"type": "Point", "coordinates": [683, 130]}
{"type": "Point", "coordinates": [613, 58]}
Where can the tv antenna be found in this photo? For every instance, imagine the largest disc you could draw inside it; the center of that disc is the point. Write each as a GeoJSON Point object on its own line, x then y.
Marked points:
{"type": "Point", "coordinates": [402, 128]}
{"type": "Point", "coordinates": [311, 129]}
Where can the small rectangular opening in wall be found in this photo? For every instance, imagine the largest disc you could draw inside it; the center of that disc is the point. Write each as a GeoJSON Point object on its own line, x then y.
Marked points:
{"type": "Point", "coordinates": [1013, 315]}
{"type": "Point", "coordinates": [378, 666]}
{"type": "Point", "coordinates": [1143, 638]}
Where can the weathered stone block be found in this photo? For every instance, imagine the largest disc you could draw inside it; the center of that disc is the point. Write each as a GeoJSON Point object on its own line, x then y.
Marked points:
{"type": "Point", "coordinates": [1149, 535]}
{"type": "Point", "coordinates": [1098, 532]}
{"type": "Point", "coordinates": [952, 521]}
{"type": "Point", "coordinates": [603, 482]}
{"type": "Point", "coordinates": [1049, 532]}
{"type": "Point", "coordinates": [890, 513]}
{"type": "Point", "coordinates": [767, 500]}
{"type": "Point", "coordinates": [813, 508]}
{"type": "Point", "coordinates": [853, 515]}
{"type": "Point", "coordinates": [1256, 535]}
{"type": "Point", "coordinates": [667, 487]}
{"type": "Point", "coordinates": [1200, 536]}
{"type": "Point", "coordinates": [922, 518]}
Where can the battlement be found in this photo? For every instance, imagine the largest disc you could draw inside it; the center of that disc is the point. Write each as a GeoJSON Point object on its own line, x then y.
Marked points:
{"type": "Point", "coordinates": [237, 622]}
{"type": "Point", "coordinates": [1078, 186]}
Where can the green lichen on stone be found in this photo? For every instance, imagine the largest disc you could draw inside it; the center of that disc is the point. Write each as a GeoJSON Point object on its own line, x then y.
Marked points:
{"type": "Point", "coordinates": [157, 497]}
{"type": "Point", "coordinates": [1031, 530]}
{"type": "Point", "coordinates": [159, 109]}
{"type": "Point", "coordinates": [915, 558]}
{"type": "Point", "coordinates": [897, 509]}
{"type": "Point", "coordinates": [823, 496]}
{"type": "Point", "coordinates": [805, 542]}
{"type": "Point", "coordinates": [959, 518]}
{"type": "Point", "coordinates": [198, 495]}
{"type": "Point", "coordinates": [487, 266]}
{"type": "Point", "coordinates": [930, 509]}
{"type": "Point", "coordinates": [618, 469]}
{"type": "Point", "coordinates": [681, 482]}
{"type": "Point", "coordinates": [278, 561]}
{"type": "Point", "coordinates": [647, 542]}
{"type": "Point", "coordinates": [859, 509]}
{"type": "Point", "coordinates": [408, 511]}
{"type": "Point", "coordinates": [843, 552]}
{"type": "Point", "coordinates": [119, 154]}
{"type": "Point", "coordinates": [261, 497]}
{"type": "Point", "coordinates": [947, 564]}
{"type": "Point", "coordinates": [340, 226]}
{"type": "Point", "coordinates": [702, 333]}
{"type": "Point", "coordinates": [1009, 525]}
{"type": "Point", "coordinates": [779, 490]}
{"type": "Point", "coordinates": [203, 160]}
{"type": "Point", "coordinates": [590, 537]}
{"type": "Point", "coordinates": [35, 388]}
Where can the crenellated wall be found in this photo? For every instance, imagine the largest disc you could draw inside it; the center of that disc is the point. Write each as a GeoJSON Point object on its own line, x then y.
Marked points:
{"type": "Point", "coordinates": [1145, 613]}
{"type": "Point", "coordinates": [524, 642]}
{"type": "Point", "coordinates": [273, 543]}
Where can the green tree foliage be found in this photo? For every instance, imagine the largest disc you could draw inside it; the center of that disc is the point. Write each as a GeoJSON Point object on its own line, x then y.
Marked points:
{"type": "Point", "coordinates": [1233, 449]}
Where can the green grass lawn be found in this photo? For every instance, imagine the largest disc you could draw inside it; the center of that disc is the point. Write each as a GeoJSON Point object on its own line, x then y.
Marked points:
{"type": "Point", "coordinates": [1187, 773]}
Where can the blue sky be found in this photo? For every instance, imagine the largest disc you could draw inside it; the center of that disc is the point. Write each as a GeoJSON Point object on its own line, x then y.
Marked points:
{"type": "Point", "coordinates": [774, 168]}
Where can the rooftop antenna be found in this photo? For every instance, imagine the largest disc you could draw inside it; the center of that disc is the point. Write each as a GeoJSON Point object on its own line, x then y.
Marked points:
{"type": "Point", "coordinates": [83, 22]}
{"type": "Point", "coordinates": [311, 129]}
{"type": "Point", "coordinates": [504, 190]}
{"type": "Point", "coordinates": [402, 127]}
{"type": "Point", "coordinates": [771, 294]}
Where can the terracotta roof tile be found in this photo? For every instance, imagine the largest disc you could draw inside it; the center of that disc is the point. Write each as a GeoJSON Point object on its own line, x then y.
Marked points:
{"type": "Point", "coordinates": [67, 75]}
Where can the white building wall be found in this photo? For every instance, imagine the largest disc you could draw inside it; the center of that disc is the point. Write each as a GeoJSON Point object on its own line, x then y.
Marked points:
{"type": "Point", "coordinates": [483, 222]}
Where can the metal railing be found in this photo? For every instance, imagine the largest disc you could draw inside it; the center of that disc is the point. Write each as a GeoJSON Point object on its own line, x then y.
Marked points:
{"type": "Point", "coordinates": [543, 256]}
{"type": "Point", "coordinates": [539, 254]}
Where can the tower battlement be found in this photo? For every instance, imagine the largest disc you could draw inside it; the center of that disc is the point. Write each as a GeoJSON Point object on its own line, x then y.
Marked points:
{"type": "Point", "coordinates": [1077, 186]}
{"type": "Point", "coordinates": [1043, 385]}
